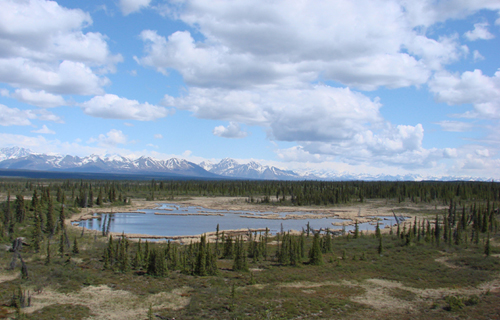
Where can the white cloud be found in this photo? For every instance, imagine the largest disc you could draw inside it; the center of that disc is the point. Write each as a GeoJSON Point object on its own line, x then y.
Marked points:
{"type": "Point", "coordinates": [4, 93]}
{"type": "Point", "coordinates": [152, 145]}
{"type": "Point", "coordinates": [233, 131]}
{"type": "Point", "coordinates": [128, 124]}
{"type": "Point", "coordinates": [450, 153]}
{"type": "Point", "coordinates": [45, 115]}
{"type": "Point", "coordinates": [158, 136]}
{"type": "Point", "coordinates": [366, 45]}
{"type": "Point", "coordinates": [480, 32]}
{"type": "Point", "coordinates": [111, 139]}
{"type": "Point", "coordinates": [309, 114]}
{"type": "Point", "coordinates": [455, 126]}
{"type": "Point", "coordinates": [477, 56]}
{"type": "Point", "coordinates": [472, 87]}
{"type": "Point", "coordinates": [44, 130]}
{"type": "Point", "coordinates": [39, 98]}
{"type": "Point", "coordinates": [129, 6]}
{"type": "Point", "coordinates": [43, 48]}
{"type": "Point", "coordinates": [15, 117]}
{"type": "Point", "coordinates": [322, 120]}
{"type": "Point", "coordinates": [111, 106]}
{"type": "Point", "coordinates": [483, 152]}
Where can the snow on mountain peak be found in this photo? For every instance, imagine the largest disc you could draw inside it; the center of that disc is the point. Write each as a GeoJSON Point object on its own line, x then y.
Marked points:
{"type": "Point", "coordinates": [14, 153]}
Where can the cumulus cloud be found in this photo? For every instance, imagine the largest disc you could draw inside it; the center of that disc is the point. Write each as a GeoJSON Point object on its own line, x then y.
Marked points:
{"type": "Point", "coordinates": [321, 119]}
{"type": "Point", "coordinates": [480, 32]}
{"type": "Point", "coordinates": [366, 45]}
{"type": "Point", "coordinates": [309, 114]}
{"type": "Point", "coordinates": [39, 98]}
{"type": "Point", "coordinates": [233, 131]}
{"type": "Point", "coordinates": [43, 47]}
{"type": "Point", "coordinates": [111, 106]}
{"type": "Point", "coordinates": [44, 130]}
{"type": "Point", "coordinates": [253, 62]}
{"type": "Point", "coordinates": [472, 87]}
{"type": "Point", "coordinates": [111, 139]}
{"type": "Point", "coordinates": [15, 117]}
{"type": "Point", "coordinates": [129, 6]}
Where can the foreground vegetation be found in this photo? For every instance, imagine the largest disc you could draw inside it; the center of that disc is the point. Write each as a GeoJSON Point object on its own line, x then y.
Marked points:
{"type": "Point", "coordinates": [443, 264]}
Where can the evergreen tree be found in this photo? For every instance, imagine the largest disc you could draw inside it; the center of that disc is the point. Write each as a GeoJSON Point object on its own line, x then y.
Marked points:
{"type": "Point", "coordinates": [487, 247]}
{"type": "Point", "coordinates": [20, 209]}
{"type": "Point", "coordinates": [202, 257]}
{"type": "Point", "coordinates": [47, 259]}
{"type": "Point", "coordinates": [50, 227]}
{"type": "Point", "coordinates": [240, 259]}
{"type": "Point", "coordinates": [356, 230]}
{"type": "Point", "coordinates": [380, 246]}
{"type": "Point", "coordinates": [377, 231]}
{"type": "Point", "coordinates": [61, 245]}
{"type": "Point", "coordinates": [75, 249]}
{"type": "Point", "coordinates": [315, 256]}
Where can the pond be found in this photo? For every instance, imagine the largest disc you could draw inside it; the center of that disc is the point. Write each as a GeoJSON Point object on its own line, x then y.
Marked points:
{"type": "Point", "coordinates": [173, 220]}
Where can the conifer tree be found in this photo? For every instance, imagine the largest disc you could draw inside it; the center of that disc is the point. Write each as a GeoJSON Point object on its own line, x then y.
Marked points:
{"type": "Point", "coordinates": [61, 245]}
{"type": "Point", "coordinates": [201, 259]}
{"type": "Point", "coordinates": [47, 259]}
{"type": "Point", "coordinates": [240, 259]}
{"type": "Point", "coordinates": [315, 255]}
{"type": "Point", "coordinates": [37, 230]}
{"type": "Point", "coordinates": [50, 227]}
{"type": "Point", "coordinates": [487, 246]}
{"type": "Point", "coordinates": [228, 247]}
{"type": "Point", "coordinates": [356, 230]}
{"type": "Point", "coordinates": [377, 231]}
{"type": "Point", "coordinates": [20, 209]}
{"type": "Point", "coordinates": [380, 246]}
{"type": "Point", "coordinates": [75, 249]}
{"type": "Point", "coordinates": [437, 231]}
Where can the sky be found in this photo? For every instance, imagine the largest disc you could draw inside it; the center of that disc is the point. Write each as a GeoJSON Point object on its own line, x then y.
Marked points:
{"type": "Point", "coordinates": [362, 87]}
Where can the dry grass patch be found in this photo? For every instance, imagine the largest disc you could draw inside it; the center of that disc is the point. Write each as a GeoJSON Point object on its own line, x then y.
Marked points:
{"type": "Point", "coordinates": [106, 303]}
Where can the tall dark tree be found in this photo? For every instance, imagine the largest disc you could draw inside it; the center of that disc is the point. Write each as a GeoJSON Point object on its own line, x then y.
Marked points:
{"type": "Point", "coordinates": [315, 255]}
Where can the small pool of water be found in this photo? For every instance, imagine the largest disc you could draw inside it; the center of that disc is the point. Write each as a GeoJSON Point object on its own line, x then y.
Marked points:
{"type": "Point", "coordinates": [175, 220]}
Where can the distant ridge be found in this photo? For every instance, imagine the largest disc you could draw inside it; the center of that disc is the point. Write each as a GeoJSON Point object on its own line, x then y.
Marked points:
{"type": "Point", "coordinates": [23, 160]}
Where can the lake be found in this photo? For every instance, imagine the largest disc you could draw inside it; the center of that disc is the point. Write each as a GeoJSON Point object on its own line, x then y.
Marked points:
{"type": "Point", "coordinates": [174, 220]}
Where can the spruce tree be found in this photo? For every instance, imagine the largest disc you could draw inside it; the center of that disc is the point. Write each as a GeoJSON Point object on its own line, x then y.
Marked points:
{"type": "Point", "coordinates": [487, 247]}
{"type": "Point", "coordinates": [240, 259]}
{"type": "Point", "coordinates": [75, 249]}
{"type": "Point", "coordinates": [380, 246]}
{"type": "Point", "coordinates": [315, 255]}
{"type": "Point", "coordinates": [50, 227]}
{"type": "Point", "coordinates": [377, 231]}
{"type": "Point", "coordinates": [37, 232]}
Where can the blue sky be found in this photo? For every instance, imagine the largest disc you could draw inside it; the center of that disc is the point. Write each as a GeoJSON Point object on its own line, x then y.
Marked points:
{"type": "Point", "coordinates": [371, 86]}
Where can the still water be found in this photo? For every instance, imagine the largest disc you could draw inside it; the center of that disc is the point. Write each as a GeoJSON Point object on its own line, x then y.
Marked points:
{"type": "Point", "coordinates": [182, 221]}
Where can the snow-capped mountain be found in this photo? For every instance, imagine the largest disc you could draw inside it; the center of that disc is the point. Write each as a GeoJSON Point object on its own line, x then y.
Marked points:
{"type": "Point", "coordinates": [13, 153]}
{"type": "Point", "coordinates": [252, 170]}
{"type": "Point", "coordinates": [18, 158]}
{"type": "Point", "coordinates": [25, 159]}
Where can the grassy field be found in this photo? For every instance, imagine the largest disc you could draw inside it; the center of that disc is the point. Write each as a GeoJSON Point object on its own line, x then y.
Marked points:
{"type": "Point", "coordinates": [408, 279]}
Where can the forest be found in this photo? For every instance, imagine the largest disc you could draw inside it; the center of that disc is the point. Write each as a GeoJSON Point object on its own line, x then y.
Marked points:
{"type": "Point", "coordinates": [442, 263]}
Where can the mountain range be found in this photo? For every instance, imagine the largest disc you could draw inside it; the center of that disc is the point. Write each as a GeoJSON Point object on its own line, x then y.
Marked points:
{"type": "Point", "coordinates": [16, 158]}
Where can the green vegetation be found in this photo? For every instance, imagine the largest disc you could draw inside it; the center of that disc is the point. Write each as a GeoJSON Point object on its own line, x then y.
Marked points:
{"type": "Point", "coordinates": [251, 275]}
